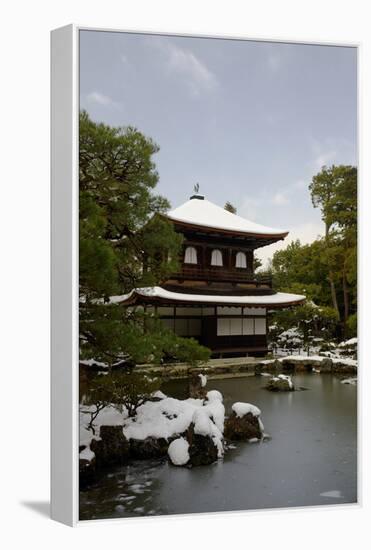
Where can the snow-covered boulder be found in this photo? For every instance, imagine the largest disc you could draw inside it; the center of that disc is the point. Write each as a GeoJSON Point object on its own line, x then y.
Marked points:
{"type": "Point", "coordinates": [282, 382]}
{"type": "Point", "coordinates": [244, 424]}
{"type": "Point", "coordinates": [203, 437]}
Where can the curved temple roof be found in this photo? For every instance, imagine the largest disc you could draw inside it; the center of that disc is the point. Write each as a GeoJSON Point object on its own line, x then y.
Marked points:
{"type": "Point", "coordinates": [201, 212]}
{"type": "Point", "coordinates": [156, 293]}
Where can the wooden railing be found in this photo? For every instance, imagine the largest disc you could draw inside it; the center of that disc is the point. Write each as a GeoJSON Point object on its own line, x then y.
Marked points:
{"type": "Point", "coordinates": [222, 275]}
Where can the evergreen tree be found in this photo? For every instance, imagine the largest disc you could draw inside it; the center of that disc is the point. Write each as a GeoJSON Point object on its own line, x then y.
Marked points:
{"type": "Point", "coordinates": [230, 208]}
{"type": "Point", "coordinates": [305, 269]}
{"type": "Point", "coordinates": [334, 191]}
{"type": "Point", "coordinates": [125, 243]}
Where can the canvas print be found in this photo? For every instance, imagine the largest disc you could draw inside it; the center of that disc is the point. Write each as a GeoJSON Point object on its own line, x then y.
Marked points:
{"type": "Point", "coordinates": [218, 275]}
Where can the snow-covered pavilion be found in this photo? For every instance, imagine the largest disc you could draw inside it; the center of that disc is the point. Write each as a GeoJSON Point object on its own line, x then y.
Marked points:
{"type": "Point", "coordinates": [216, 297]}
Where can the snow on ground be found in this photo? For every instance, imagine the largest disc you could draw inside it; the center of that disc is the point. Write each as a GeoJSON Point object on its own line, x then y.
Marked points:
{"type": "Point", "coordinates": [178, 451]}
{"type": "Point", "coordinates": [93, 362]}
{"type": "Point", "coordinates": [351, 342]}
{"type": "Point", "coordinates": [314, 359]}
{"type": "Point", "coordinates": [159, 395]}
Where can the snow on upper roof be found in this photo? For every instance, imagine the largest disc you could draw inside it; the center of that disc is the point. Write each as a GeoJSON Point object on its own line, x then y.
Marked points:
{"type": "Point", "coordinates": [280, 298]}
{"type": "Point", "coordinates": [200, 211]}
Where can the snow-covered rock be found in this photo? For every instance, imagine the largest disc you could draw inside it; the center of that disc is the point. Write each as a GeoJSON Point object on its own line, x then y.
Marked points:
{"type": "Point", "coordinates": [178, 452]}
{"type": "Point", "coordinates": [202, 443]}
{"type": "Point", "coordinates": [165, 420]}
{"type": "Point", "coordinates": [159, 395]}
{"type": "Point", "coordinates": [350, 381]}
{"type": "Point", "coordinates": [156, 424]}
{"type": "Point", "coordinates": [201, 422]}
{"type": "Point", "coordinates": [196, 385]}
{"type": "Point", "coordinates": [204, 448]}
{"type": "Point", "coordinates": [245, 408]}
{"type": "Point", "coordinates": [244, 423]}
{"type": "Point", "coordinates": [329, 362]}
{"type": "Point", "coordinates": [282, 382]}
{"type": "Point", "coordinates": [87, 454]}
{"type": "Point", "coordinates": [214, 395]}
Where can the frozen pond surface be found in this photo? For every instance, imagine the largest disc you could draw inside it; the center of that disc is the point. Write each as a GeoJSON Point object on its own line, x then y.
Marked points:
{"type": "Point", "coordinates": [310, 460]}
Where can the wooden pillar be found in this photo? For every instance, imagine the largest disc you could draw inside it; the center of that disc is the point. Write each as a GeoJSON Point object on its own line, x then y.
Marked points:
{"type": "Point", "coordinates": [203, 258]}
{"type": "Point", "coordinates": [229, 265]}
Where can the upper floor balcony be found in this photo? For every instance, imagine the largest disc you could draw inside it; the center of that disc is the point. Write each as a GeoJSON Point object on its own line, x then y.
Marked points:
{"type": "Point", "coordinates": [222, 275]}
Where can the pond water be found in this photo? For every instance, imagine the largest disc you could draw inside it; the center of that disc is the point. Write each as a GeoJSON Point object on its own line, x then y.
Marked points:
{"type": "Point", "coordinates": [311, 458]}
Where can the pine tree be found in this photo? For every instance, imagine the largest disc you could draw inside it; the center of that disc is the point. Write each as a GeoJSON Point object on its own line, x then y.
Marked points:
{"type": "Point", "coordinates": [230, 208]}
{"type": "Point", "coordinates": [125, 243]}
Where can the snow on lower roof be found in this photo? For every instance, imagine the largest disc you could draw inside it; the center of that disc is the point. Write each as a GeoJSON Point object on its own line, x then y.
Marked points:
{"type": "Point", "coordinates": [207, 214]}
{"type": "Point", "coordinates": [280, 298]}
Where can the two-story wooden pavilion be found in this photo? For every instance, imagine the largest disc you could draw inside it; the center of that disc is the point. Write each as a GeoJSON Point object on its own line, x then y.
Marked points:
{"type": "Point", "coordinates": [216, 297]}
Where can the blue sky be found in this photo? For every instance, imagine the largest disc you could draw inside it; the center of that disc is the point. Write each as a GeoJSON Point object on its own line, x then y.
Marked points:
{"type": "Point", "coordinates": [252, 122]}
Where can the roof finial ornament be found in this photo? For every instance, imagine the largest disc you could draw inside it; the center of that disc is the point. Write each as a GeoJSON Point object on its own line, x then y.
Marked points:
{"type": "Point", "coordinates": [196, 194]}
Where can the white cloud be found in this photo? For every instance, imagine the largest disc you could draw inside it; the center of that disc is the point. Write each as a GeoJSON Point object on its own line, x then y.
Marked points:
{"type": "Point", "coordinates": [306, 233]}
{"type": "Point", "coordinates": [97, 97]}
{"type": "Point", "coordinates": [197, 77]}
{"type": "Point", "coordinates": [279, 199]}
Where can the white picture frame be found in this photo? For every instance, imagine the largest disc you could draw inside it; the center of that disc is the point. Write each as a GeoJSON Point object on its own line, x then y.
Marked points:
{"type": "Point", "coordinates": [64, 272]}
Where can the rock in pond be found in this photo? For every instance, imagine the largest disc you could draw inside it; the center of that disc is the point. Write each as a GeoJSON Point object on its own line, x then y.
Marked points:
{"type": "Point", "coordinates": [202, 443]}
{"type": "Point", "coordinates": [282, 382]}
{"type": "Point", "coordinates": [202, 448]}
{"type": "Point", "coordinates": [112, 448]}
{"type": "Point", "coordinates": [244, 423]}
{"type": "Point", "coordinates": [150, 447]}
{"type": "Point", "coordinates": [197, 385]}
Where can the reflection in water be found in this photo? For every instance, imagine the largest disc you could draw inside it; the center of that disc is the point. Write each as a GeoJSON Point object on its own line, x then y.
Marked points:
{"type": "Point", "coordinates": [310, 460]}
